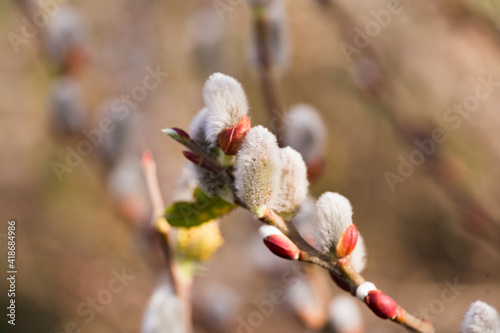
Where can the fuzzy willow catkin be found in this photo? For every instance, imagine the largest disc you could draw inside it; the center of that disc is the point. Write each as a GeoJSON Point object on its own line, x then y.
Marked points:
{"type": "Point", "coordinates": [208, 181]}
{"type": "Point", "coordinates": [226, 103]}
{"type": "Point", "coordinates": [197, 128]}
{"type": "Point", "coordinates": [305, 131]}
{"type": "Point", "coordinates": [164, 310]}
{"type": "Point", "coordinates": [481, 318]}
{"type": "Point", "coordinates": [257, 168]}
{"type": "Point", "coordinates": [64, 31]}
{"type": "Point", "coordinates": [293, 184]}
{"type": "Point", "coordinates": [334, 216]}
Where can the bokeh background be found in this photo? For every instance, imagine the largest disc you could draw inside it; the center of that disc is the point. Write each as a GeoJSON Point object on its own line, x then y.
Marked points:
{"type": "Point", "coordinates": [441, 224]}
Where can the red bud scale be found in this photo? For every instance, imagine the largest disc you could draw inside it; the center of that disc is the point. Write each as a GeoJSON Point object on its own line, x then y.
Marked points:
{"type": "Point", "coordinates": [282, 246]}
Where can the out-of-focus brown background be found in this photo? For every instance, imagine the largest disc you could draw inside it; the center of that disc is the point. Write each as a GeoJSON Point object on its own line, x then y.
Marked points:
{"type": "Point", "coordinates": [420, 238]}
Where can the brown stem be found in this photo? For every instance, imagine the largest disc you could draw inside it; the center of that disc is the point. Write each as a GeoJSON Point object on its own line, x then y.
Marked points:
{"type": "Point", "coordinates": [162, 230]}
{"type": "Point", "coordinates": [341, 269]}
{"type": "Point", "coordinates": [269, 88]}
{"type": "Point", "coordinates": [412, 323]}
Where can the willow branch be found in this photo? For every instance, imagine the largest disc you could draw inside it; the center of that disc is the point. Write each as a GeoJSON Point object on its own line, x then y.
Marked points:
{"type": "Point", "coordinates": [268, 83]}
{"type": "Point", "coordinates": [163, 231]}
{"type": "Point", "coordinates": [338, 269]}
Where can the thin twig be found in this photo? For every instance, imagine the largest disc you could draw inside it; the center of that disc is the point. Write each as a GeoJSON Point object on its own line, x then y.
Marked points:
{"type": "Point", "coordinates": [162, 230]}
{"type": "Point", "coordinates": [342, 270]}
{"type": "Point", "coordinates": [269, 88]}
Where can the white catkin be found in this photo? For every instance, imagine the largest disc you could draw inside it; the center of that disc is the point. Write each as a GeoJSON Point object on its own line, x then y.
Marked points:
{"type": "Point", "coordinates": [208, 181]}
{"type": "Point", "coordinates": [363, 290]}
{"type": "Point", "coordinates": [345, 315]}
{"type": "Point", "coordinates": [268, 230]}
{"type": "Point", "coordinates": [305, 131]}
{"type": "Point", "coordinates": [257, 168]}
{"type": "Point", "coordinates": [63, 31]}
{"type": "Point", "coordinates": [226, 102]}
{"type": "Point", "coordinates": [293, 183]}
{"type": "Point", "coordinates": [481, 318]}
{"type": "Point", "coordinates": [163, 313]}
{"type": "Point", "coordinates": [358, 255]}
{"type": "Point", "coordinates": [67, 111]}
{"type": "Point", "coordinates": [334, 216]}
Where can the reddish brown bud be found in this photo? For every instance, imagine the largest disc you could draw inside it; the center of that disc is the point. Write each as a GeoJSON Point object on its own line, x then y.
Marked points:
{"type": "Point", "coordinates": [382, 305]}
{"type": "Point", "coordinates": [177, 134]}
{"type": "Point", "coordinates": [192, 157]}
{"type": "Point", "coordinates": [282, 246]}
{"type": "Point", "coordinates": [181, 133]}
{"type": "Point", "coordinates": [347, 241]}
{"type": "Point", "coordinates": [231, 138]}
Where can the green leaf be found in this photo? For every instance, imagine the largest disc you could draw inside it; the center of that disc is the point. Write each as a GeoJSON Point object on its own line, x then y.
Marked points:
{"type": "Point", "coordinates": [203, 209]}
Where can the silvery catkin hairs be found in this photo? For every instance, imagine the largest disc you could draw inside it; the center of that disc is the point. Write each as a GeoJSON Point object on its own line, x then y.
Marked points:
{"type": "Point", "coordinates": [334, 216]}
{"type": "Point", "coordinates": [226, 103]}
{"type": "Point", "coordinates": [293, 183]}
{"type": "Point", "coordinates": [257, 168]}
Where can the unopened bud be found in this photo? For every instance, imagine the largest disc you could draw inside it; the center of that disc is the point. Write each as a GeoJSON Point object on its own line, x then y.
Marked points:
{"type": "Point", "coordinates": [282, 246]}
{"type": "Point", "coordinates": [177, 134]}
{"type": "Point", "coordinates": [347, 241]}
{"type": "Point", "coordinates": [192, 157]}
{"type": "Point", "coordinates": [278, 243]}
{"type": "Point", "coordinates": [382, 305]}
{"type": "Point", "coordinates": [231, 139]}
